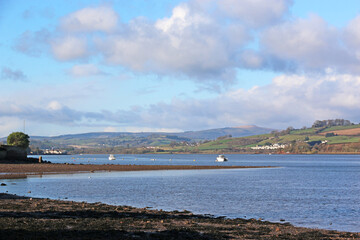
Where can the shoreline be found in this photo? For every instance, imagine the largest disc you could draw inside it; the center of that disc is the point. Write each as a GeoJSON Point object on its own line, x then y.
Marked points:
{"type": "Point", "coordinates": [207, 153]}
{"type": "Point", "coordinates": [34, 218]}
{"type": "Point", "coordinates": [22, 170]}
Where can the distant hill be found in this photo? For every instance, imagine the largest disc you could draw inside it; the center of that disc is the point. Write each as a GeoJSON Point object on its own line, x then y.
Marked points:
{"type": "Point", "coordinates": [211, 134]}
{"type": "Point", "coordinates": [324, 139]}
{"type": "Point", "coordinates": [131, 140]}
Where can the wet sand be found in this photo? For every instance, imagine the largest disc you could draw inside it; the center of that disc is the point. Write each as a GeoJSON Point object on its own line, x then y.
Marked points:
{"type": "Point", "coordinates": [33, 218]}
{"type": "Point", "coordinates": [9, 171]}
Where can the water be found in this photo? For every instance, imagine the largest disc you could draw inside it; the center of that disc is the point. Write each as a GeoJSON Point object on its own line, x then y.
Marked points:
{"type": "Point", "coordinates": [318, 191]}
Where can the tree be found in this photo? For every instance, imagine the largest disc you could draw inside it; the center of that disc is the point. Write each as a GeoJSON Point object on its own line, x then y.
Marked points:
{"type": "Point", "coordinates": [331, 134]}
{"type": "Point", "coordinates": [289, 129]}
{"type": "Point", "coordinates": [18, 139]}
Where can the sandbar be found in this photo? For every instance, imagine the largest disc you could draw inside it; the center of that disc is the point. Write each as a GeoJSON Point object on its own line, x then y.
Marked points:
{"type": "Point", "coordinates": [10, 171]}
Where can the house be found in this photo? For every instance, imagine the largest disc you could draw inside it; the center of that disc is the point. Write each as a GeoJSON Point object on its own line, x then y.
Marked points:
{"type": "Point", "coordinates": [269, 147]}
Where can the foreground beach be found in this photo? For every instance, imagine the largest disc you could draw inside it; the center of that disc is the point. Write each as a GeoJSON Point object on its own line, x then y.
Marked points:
{"type": "Point", "coordinates": [33, 218]}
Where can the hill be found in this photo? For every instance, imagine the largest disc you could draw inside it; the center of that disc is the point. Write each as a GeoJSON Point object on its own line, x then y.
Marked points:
{"type": "Point", "coordinates": [324, 139]}
{"type": "Point", "coordinates": [104, 142]}
{"type": "Point", "coordinates": [211, 134]}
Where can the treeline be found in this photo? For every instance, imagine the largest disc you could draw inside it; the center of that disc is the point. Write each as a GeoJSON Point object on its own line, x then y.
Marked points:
{"type": "Point", "coordinates": [316, 124]}
{"type": "Point", "coordinates": [331, 123]}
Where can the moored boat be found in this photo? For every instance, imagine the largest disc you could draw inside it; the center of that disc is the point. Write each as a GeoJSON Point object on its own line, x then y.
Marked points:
{"type": "Point", "coordinates": [221, 158]}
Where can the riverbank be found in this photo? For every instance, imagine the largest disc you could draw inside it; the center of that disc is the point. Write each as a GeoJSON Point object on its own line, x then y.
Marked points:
{"type": "Point", "coordinates": [21, 170]}
{"type": "Point", "coordinates": [34, 218]}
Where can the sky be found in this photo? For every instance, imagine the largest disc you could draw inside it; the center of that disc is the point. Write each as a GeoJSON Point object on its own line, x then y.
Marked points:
{"type": "Point", "coordinates": [79, 66]}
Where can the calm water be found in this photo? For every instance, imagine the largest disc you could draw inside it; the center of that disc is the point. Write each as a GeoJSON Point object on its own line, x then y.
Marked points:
{"type": "Point", "coordinates": [320, 191]}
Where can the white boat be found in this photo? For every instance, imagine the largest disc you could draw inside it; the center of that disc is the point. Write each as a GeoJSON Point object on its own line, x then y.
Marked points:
{"type": "Point", "coordinates": [112, 157]}
{"type": "Point", "coordinates": [221, 158]}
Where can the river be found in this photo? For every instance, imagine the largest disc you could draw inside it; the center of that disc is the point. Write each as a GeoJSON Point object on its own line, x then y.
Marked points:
{"type": "Point", "coordinates": [318, 191]}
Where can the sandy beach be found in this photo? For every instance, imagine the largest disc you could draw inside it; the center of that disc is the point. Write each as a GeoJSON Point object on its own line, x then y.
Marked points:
{"type": "Point", "coordinates": [33, 218]}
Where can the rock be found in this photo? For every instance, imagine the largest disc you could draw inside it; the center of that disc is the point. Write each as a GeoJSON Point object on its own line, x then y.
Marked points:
{"type": "Point", "coordinates": [3, 184]}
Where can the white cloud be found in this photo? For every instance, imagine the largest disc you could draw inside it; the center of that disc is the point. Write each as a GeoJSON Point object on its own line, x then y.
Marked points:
{"type": "Point", "coordinates": [352, 35]}
{"type": "Point", "coordinates": [54, 105]}
{"type": "Point", "coordinates": [295, 100]}
{"type": "Point", "coordinates": [307, 41]}
{"type": "Point", "coordinates": [102, 18]}
{"type": "Point", "coordinates": [69, 48]}
{"type": "Point", "coordinates": [251, 59]}
{"type": "Point", "coordinates": [188, 43]}
{"type": "Point", "coordinates": [204, 41]}
{"type": "Point", "coordinates": [289, 100]}
{"type": "Point", "coordinates": [181, 18]}
{"type": "Point", "coordinates": [256, 13]}
{"type": "Point", "coordinates": [85, 70]}
{"type": "Point", "coordinates": [307, 44]}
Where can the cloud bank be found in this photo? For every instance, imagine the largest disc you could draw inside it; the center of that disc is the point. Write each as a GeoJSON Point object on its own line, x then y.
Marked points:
{"type": "Point", "coordinates": [208, 42]}
{"type": "Point", "coordinates": [288, 100]}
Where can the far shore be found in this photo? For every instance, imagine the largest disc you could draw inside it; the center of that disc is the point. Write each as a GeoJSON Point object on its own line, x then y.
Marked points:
{"type": "Point", "coordinates": [205, 153]}
{"type": "Point", "coordinates": [22, 170]}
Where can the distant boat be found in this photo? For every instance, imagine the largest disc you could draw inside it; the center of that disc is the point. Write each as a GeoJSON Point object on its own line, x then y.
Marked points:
{"type": "Point", "coordinates": [221, 158]}
{"type": "Point", "coordinates": [111, 157]}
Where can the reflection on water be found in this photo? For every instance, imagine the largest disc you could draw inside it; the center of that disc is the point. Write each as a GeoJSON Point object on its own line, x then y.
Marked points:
{"type": "Point", "coordinates": [314, 191]}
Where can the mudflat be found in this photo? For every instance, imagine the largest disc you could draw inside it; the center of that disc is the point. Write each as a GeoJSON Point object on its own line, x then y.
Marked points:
{"type": "Point", "coordinates": [22, 170]}
{"type": "Point", "coordinates": [34, 218]}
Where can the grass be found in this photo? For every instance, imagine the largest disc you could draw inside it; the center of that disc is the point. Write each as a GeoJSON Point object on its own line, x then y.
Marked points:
{"type": "Point", "coordinates": [342, 139]}
{"type": "Point", "coordinates": [309, 131]}
{"type": "Point", "coordinates": [335, 128]}
{"type": "Point", "coordinates": [301, 136]}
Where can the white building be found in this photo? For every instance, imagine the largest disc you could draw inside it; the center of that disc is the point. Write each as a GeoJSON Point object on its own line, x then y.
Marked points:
{"type": "Point", "coordinates": [269, 147]}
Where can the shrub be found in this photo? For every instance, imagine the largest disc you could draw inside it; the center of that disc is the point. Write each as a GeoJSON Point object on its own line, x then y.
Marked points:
{"type": "Point", "coordinates": [18, 139]}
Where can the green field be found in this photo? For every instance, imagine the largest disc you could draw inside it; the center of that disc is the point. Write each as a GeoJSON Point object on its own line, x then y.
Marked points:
{"type": "Point", "coordinates": [335, 128]}
{"type": "Point", "coordinates": [309, 139]}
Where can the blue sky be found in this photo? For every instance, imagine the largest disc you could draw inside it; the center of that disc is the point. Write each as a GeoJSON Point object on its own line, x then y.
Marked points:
{"type": "Point", "coordinates": [156, 65]}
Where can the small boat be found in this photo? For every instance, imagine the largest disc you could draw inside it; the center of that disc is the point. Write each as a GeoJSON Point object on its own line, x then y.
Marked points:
{"type": "Point", "coordinates": [221, 158]}
{"type": "Point", "coordinates": [111, 157]}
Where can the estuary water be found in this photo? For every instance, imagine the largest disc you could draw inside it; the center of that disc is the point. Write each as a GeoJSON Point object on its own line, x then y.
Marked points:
{"type": "Point", "coordinates": [318, 191]}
